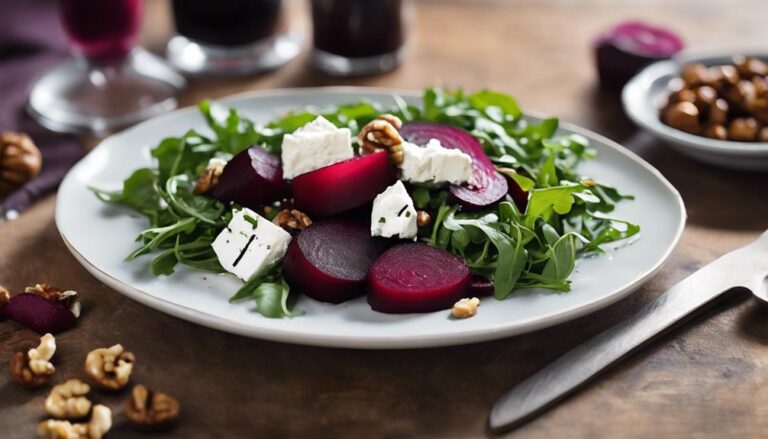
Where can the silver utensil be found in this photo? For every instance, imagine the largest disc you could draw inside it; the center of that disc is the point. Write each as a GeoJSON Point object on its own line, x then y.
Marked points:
{"type": "Point", "coordinates": [744, 268]}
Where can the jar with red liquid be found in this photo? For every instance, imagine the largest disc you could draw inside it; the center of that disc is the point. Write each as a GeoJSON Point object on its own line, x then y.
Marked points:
{"type": "Point", "coordinates": [355, 37]}
{"type": "Point", "coordinates": [230, 36]}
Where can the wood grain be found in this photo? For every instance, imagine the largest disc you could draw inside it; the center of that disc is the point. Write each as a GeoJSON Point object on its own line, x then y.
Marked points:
{"type": "Point", "coordinates": [708, 379]}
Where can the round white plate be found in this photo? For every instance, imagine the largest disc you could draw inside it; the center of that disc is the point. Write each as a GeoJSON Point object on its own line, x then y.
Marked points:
{"type": "Point", "coordinates": [100, 236]}
{"type": "Point", "coordinates": [645, 95]}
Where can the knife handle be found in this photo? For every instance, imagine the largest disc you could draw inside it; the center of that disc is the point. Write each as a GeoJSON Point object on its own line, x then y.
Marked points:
{"type": "Point", "coordinates": [578, 366]}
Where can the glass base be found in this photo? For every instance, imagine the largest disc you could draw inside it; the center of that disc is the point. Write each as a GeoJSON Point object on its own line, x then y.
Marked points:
{"type": "Point", "coordinates": [81, 97]}
{"type": "Point", "coordinates": [196, 58]}
{"type": "Point", "coordinates": [343, 66]}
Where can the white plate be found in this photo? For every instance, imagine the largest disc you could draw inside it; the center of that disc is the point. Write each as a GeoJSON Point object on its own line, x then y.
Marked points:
{"type": "Point", "coordinates": [100, 236]}
{"type": "Point", "coordinates": [645, 95]}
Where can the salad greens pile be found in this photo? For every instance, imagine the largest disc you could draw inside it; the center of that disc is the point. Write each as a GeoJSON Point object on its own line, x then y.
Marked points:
{"type": "Point", "coordinates": [567, 215]}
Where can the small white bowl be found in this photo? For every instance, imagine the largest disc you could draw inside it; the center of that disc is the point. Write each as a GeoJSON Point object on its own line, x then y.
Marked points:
{"type": "Point", "coordinates": [645, 95]}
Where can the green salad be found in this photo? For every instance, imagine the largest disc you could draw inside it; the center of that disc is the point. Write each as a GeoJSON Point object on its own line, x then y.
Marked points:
{"type": "Point", "coordinates": [514, 246]}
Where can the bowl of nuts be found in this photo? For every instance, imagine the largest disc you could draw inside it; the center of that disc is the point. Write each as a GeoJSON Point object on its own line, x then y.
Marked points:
{"type": "Point", "coordinates": [713, 108]}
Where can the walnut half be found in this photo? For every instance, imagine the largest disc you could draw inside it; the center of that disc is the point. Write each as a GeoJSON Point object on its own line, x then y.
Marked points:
{"type": "Point", "coordinates": [69, 400]}
{"type": "Point", "coordinates": [99, 424]}
{"type": "Point", "coordinates": [110, 368]}
{"type": "Point", "coordinates": [33, 368]}
{"type": "Point", "coordinates": [382, 134]}
{"type": "Point", "coordinates": [20, 161]}
{"type": "Point", "coordinates": [292, 220]}
{"type": "Point", "coordinates": [148, 410]}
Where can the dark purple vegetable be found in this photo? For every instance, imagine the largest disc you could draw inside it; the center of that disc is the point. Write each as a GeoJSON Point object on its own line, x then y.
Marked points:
{"type": "Point", "coordinates": [412, 278]}
{"type": "Point", "coordinates": [624, 50]}
{"type": "Point", "coordinates": [329, 261]}
{"type": "Point", "coordinates": [39, 314]}
{"type": "Point", "coordinates": [489, 186]}
{"type": "Point", "coordinates": [344, 185]}
{"type": "Point", "coordinates": [480, 286]}
{"type": "Point", "coordinates": [252, 178]}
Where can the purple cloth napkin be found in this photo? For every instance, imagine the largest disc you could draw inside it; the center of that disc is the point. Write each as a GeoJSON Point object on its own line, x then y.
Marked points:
{"type": "Point", "coordinates": [31, 42]}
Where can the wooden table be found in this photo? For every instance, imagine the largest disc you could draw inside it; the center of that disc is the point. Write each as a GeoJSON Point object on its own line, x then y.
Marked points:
{"type": "Point", "coordinates": [707, 379]}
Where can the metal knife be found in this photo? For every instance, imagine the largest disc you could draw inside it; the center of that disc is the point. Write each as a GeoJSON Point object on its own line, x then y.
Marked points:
{"type": "Point", "coordinates": [744, 268]}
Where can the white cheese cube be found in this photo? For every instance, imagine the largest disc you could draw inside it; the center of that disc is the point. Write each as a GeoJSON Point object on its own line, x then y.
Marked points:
{"type": "Point", "coordinates": [250, 244]}
{"type": "Point", "coordinates": [435, 164]}
{"type": "Point", "coordinates": [393, 214]}
{"type": "Point", "coordinates": [314, 146]}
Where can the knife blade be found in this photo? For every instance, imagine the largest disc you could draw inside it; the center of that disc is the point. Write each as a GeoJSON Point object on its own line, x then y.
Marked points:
{"type": "Point", "coordinates": [735, 270]}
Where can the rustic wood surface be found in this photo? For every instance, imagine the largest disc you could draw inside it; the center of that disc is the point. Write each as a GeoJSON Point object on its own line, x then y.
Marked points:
{"type": "Point", "coordinates": [706, 379]}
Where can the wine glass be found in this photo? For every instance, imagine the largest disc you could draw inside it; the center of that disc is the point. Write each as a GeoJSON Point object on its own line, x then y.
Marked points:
{"type": "Point", "coordinates": [109, 84]}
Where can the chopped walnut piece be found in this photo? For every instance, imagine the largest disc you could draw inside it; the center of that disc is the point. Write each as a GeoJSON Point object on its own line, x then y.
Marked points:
{"type": "Point", "coordinates": [99, 424]}
{"type": "Point", "coordinates": [33, 368]}
{"type": "Point", "coordinates": [423, 219]}
{"type": "Point", "coordinates": [110, 368]}
{"type": "Point", "coordinates": [382, 134]}
{"type": "Point", "coordinates": [20, 161]}
{"type": "Point", "coordinates": [68, 400]}
{"type": "Point", "coordinates": [148, 410]}
{"type": "Point", "coordinates": [292, 220]}
{"type": "Point", "coordinates": [68, 298]}
{"type": "Point", "coordinates": [465, 308]}
{"type": "Point", "coordinates": [210, 177]}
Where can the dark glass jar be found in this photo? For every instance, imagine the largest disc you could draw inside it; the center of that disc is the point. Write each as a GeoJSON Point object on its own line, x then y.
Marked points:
{"type": "Point", "coordinates": [227, 22]}
{"type": "Point", "coordinates": [229, 36]}
{"type": "Point", "coordinates": [357, 36]}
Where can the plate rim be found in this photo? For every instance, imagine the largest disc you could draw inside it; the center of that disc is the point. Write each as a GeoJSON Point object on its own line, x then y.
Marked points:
{"type": "Point", "coordinates": [376, 342]}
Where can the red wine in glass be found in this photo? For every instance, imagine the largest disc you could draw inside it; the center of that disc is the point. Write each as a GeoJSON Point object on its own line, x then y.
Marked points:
{"type": "Point", "coordinates": [109, 84]}
{"type": "Point", "coordinates": [101, 29]}
{"type": "Point", "coordinates": [230, 36]}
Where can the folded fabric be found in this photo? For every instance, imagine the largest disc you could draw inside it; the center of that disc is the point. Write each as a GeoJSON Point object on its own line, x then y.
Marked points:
{"type": "Point", "coordinates": [31, 42]}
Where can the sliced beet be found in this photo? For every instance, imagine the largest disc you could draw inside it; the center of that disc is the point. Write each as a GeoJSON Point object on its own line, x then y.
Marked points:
{"type": "Point", "coordinates": [519, 196]}
{"type": "Point", "coordinates": [489, 186]}
{"type": "Point", "coordinates": [329, 261]}
{"type": "Point", "coordinates": [344, 185]}
{"type": "Point", "coordinates": [411, 278]}
{"type": "Point", "coordinates": [252, 179]}
{"type": "Point", "coordinates": [39, 314]}
{"type": "Point", "coordinates": [480, 286]}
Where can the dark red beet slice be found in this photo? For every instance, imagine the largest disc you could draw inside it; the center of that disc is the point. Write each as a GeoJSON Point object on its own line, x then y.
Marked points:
{"type": "Point", "coordinates": [625, 49]}
{"type": "Point", "coordinates": [344, 185]}
{"type": "Point", "coordinates": [489, 186]}
{"type": "Point", "coordinates": [519, 196]}
{"type": "Point", "coordinates": [252, 178]}
{"type": "Point", "coordinates": [39, 314]}
{"type": "Point", "coordinates": [329, 261]}
{"type": "Point", "coordinates": [480, 286]}
{"type": "Point", "coordinates": [417, 278]}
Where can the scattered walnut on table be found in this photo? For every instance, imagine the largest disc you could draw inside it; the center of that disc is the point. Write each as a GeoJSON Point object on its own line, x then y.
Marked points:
{"type": "Point", "coordinates": [99, 424]}
{"type": "Point", "coordinates": [33, 368]}
{"type": "Point", "coordinates": [69, 400]}
{"type": "Point", "coordinates": [68, 298]}
{"type": "Point", "coordinates": [20, 161]}
{"type": "Point", "coordinates": [292, 220]}
{"type": "Point", "coordinates": [149, 410]}
{"type": "Point", "coordinates": [465, 308]}
{"type": "Point", "coordinates": [110, 368]}
{"type": "Point", "coordinates": [381, 134]}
